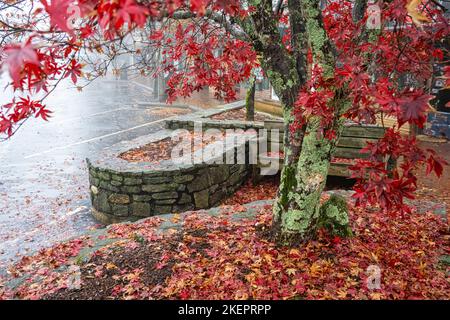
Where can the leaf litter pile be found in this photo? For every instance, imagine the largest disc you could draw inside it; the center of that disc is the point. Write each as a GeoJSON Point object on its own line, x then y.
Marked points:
{"type": "Point", "coordinates": [224, 258]}
{"type": "Point", "coordinates": [161, 150]}
{"type": "Point", "coordinates": [240, 115]}
{"type": "Point", "coordinates": [164, 111]}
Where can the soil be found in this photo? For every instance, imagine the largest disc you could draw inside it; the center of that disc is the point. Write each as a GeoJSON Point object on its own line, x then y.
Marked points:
{"type": "Point", "coordinates": [122, 260]}
{"type": "Point", "coordinates": [117, 262]}
{"type": "Point", "coordinates": [240, 114]}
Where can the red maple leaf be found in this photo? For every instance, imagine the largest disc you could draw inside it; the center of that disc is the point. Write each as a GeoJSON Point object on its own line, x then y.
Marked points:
{"type": "Point", "coordinates": [130, 12]}
{"type": "Point", "coordinates": [199, 6]}
{"type": "Point", "coordinates": [60, 12]}
{"type": "Point", "coordinates": [74, 71]}
{"type": "Point", "coordinates": [413, 107]}
{"type": "Point", "coordinates": [17, 57]}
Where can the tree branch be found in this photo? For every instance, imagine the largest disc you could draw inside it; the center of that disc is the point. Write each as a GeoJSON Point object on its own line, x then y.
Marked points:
{"type": "Point", "coordinates": [359, 9]}
{"type": "Point", "coordinates": [218, 18]}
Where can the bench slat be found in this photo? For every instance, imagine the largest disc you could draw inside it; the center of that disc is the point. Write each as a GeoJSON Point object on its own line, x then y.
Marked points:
{"type": "Point", "coordinates": [363, 131]}
{"type": "Point", "coordinates": [350, 153]}
{"type": "Point", "coordinates": [354, 142]}
{"type": "Point", "coordinates": [339, 170]}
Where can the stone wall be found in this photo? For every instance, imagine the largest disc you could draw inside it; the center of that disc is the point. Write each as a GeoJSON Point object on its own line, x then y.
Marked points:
{"type": "Point", "coordinates": [125, 191]}
{"type": "Point", "coordinates": [118, 196]}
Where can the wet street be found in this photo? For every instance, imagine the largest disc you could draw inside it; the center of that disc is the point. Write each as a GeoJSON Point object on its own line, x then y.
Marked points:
{"type": "Point", "coordinates": [43, 178]}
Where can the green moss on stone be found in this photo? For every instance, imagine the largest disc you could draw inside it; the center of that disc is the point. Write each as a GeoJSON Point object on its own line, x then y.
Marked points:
{"type": "Point", "coordinates": [334, 217]}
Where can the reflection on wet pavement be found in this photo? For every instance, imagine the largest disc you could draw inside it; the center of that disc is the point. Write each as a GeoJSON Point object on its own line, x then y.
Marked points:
{"type": "Point", "coordinates": [43, 180]}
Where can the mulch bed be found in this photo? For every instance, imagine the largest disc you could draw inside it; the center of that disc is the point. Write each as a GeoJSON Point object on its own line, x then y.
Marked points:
{"type": "Point", "coordinates": [103, 277]}
{"type": "Point", "coordinates": [240, 115]}
{"type": "Point", "coordinates": [164, 111]}
{"type": "Point", "coordinates": [158, 151]}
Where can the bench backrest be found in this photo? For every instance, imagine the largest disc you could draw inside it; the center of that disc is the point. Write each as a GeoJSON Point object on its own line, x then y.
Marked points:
{"type": "Point", "coordinates": [353, 139]}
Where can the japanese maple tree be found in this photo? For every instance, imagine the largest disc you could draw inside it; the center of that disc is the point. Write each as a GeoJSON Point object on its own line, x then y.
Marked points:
{"type": "Point", "coordinates": [328, 61]}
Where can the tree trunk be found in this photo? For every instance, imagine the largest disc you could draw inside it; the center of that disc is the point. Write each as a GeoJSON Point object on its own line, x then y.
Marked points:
{"type": "Point", "coordinates": [297, 210]}
{"type": "Point", "coordinates": [250, 100]}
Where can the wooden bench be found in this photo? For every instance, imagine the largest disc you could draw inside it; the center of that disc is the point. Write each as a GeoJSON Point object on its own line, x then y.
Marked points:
{"type": "Point", "coordinates": [353, 139]}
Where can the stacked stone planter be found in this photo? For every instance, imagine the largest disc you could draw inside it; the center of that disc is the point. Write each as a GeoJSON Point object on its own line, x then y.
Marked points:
{"type": "Point", "coordinates": [127, 191]}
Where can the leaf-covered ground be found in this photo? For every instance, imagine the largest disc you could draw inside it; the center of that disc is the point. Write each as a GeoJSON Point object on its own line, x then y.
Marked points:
{"type": "Point", "coordinates": [217, 257]}
{"type": "Point", "coordinates": [220, 257]}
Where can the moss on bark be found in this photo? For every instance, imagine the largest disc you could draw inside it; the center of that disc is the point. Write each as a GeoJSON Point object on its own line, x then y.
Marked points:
{"type": "Point", "coordinates": [334, 217]}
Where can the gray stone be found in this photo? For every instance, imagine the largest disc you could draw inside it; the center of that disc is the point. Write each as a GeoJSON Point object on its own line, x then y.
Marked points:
{"type": "Point", "coordinates": [116, 177]}
{"type": "Point", "coordinates": [132, 181]}
{"type": "Point", "coordinates": [156, 180]}
{"type": "Point", "coordinates": [183, 179]}
{"type": "Point", "coordinates": [162, 209]}
{"type": "Point", "coordinates": [165, 195]}
{"type": "Point", "coordinates": [141, 209]}
{"type": "Point", "coordinates": [213, 188]}
{"type": "Point", "coordinates": [120, 210]}
{"type": "Point", "coordinates": [94, 181]}
{"type": "Point", "coordinates": [159, 187]}
{"type": "Point", "coordinates": [234, 168]}
{"type": "Point", "coordinates": [132, 174]}
{"type": "Point", "coordinates": [101, 202]}
{"type": "Point", "coordinates": [115, 183]}
{"type": "Point", "coordinates": [103, 175]}
{"type": "Point", "coordinates": [201, 199]}
{"type": "Point", "coordinates": [119, 198]}
{"type": "Point", "coordinates": [142, 198]}
{"type": "Point", "coordinates": [107, 186]}
{"type": "Point", "coordinates": [218, 174]}
{"type": "Point", "coordinates": [185, 198]}
{"type": "Point", "coordinates": [200, 183]}
{"type": "Point", "coordinates": [167, 201]}
{"type": "Point", "coordinates": [235, 178]}
{"type": "Point", "coordinates": [183, 208]}
{"type": "Point", "coordinates": [131, 189]}
{"type": "Point", "coordinates": [217, 197]}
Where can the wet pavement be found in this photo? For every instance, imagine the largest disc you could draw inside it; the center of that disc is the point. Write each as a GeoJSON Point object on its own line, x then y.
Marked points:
{"type": "Point", "coordinates": [43, 178]}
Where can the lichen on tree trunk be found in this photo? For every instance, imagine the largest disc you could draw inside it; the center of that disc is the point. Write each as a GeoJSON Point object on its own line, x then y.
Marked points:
{"type": "Point", "coordinates": [307, 152]}
{"type": "Point", "coordinates": [297, 208]}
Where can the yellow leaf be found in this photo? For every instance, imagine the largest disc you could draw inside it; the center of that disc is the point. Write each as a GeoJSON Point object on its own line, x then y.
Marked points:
{"type": "Point", "coordinates": [416, 15]}
{"type": "Point", "coordinates": [376, 295]}
{"type": "Point", "coordinates": [374, 256]}
{"type": "Point", "coordinates": [314, 269]}
{"type": "Point", "coordinates": [342, 294]}
{"type": "Point", "coordinates": [110, 266]}
{"type": "Point", "coordinates": [291, 271]}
